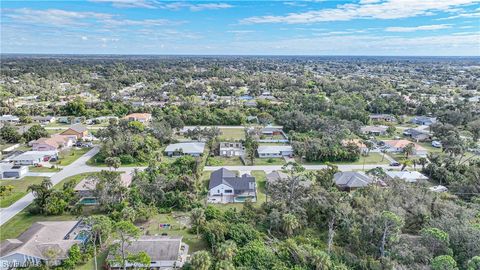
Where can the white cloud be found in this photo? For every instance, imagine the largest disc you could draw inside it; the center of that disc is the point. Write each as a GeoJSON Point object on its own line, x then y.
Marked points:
{"type": "Point", "coordinates": [390, 9]}
{"type": "Point", "coordinates": [146, 22]}
{"type": "Point", "coordinates": [462, 15]}
{"type": "Point", "coordinates": [128, 3]}
{"type": "Point", "coordinates": [195, 7]}
{"type": "Point", "coordinates": [418, 28]}
{"type": "Point", "coordinates": [84, 38]}
{"type": "Point", "coordinates": [55, 17]}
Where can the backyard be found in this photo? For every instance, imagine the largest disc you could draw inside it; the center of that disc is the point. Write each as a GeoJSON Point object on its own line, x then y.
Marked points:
{"type": "Point", "coordinates": [68, 156]}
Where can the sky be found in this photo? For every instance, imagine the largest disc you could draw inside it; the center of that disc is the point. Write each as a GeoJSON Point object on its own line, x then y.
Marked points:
{"type": "Point", "coordinates": [314, 27]}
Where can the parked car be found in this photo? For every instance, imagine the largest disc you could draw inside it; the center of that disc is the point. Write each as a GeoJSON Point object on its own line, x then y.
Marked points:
{"type": "Point", "coordinates": [437, 144]}
{"type": "Point", "coordinates": [395, 164]}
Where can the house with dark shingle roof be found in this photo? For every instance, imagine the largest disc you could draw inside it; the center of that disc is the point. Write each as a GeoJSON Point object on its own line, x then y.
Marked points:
{"type": "Point", "coordinates": [351, 180]}
{"type": "Point", "coordinates": [226, 187]}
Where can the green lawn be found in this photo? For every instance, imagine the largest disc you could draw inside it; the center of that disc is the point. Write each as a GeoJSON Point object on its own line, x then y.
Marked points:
{"type": "Point", "coordinates": [93, 162]}
{"type": "Point", "coordinates": [19, 189]}
{"type": "Point", "coordinates": [178, 227]}
{"type": "Point", "coordinates": [43, 169]}
{"type": "Point", "coordinates": [67, 157]}
{"type": "Point", "coordinates": [76, 178]}
{"type": "Point", "coordinates": [224, 161]}
{"type": "Point", "coordinates": [372, 158]}
{"type": "Point", "coordinates": [269, 161]}
{"type": "Point", "coordinates": [232, 134]}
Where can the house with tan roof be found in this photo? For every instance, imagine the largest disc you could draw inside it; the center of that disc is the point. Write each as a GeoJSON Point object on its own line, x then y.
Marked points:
{"type": "Point", "coordinates": [140, 117]}
{"type": "Point", "coordinates": [397, 146]}
{"type": "Point", "coordinates": [77, 130]}
{"type": "Point", "coordinates": [359, 143]}
{"type": "Point", "coordinates": [53, 143]}
{"type": "Point", "coordinates": [32, 247]}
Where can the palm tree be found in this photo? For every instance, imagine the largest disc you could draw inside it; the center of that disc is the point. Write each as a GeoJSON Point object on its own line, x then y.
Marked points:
{"type": "Point", "coordinates": [321, 261]}
{"type": "Point", "coordinates": [197, 218]}
{"type": "Point", "coordinates": [409, 150]}
{"type": "Point", "coordinates": [290, 224]}
{"type": "Point", "coordinates": [405, 163]}
{"type": "Point", "coordinates": [201, 260]}
{"type": "Point", "coordinates": [422, 161]}
{"type": "Point", "coordinates": [226, 250]}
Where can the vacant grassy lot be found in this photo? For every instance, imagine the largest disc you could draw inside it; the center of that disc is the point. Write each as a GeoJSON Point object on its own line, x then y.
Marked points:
{"type": "Point", "coordinates": [19, 189]}
{"type": "Point", "coordinates": [224, 161]}
{"type": "Point", "coordinates": [269, 161]}
{"type": "Point", "coordinates": [232, 134]}
{"type": "Point", "coordinates": [372, 158]}
{"type": "Point", "coordinates": [67, 157]}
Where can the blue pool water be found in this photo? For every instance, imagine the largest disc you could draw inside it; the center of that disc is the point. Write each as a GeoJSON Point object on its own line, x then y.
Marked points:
{"type": "Point", "coordinates": [88, 201]}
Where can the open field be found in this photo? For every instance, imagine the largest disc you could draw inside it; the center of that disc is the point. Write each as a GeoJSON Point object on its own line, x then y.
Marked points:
{"type": "Point", "coordinates": [43, 169]}
{"type": "Point", "coordinates": [372, 158]}
{"type": "Point", "coordinates": [232, 134]}
{"type": "Point", "coordinates": [269, 161]}
{"type": "Point", "coordinates": [19, 189]}
{"type": "Point", "coordinates": [224, 161]}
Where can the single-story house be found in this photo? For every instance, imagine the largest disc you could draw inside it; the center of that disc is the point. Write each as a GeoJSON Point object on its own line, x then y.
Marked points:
{"type": "Point", "coordinates": [424, 120]}
{"type": "Point", "coordinates": [276, 176]}
{"type": "Point", "coordinates": [77, 130]}
{"type": "Point", "coordinates": [53, 143]}
{"type": "Point", "coordinates": [438, 189]}
{"type": "Point", "coordinates": [140, 117]}
{"type": "Point", "coordinates": [271, 131]}
{"type": "Point", "coordinates": [86, 187]}
{"type": "Point", "coordinates": [408, 176]}
{"type": "Point", "coordinates": [70, 119]}
{"type": "Point", "coordinates": [271, 151]}
{"type": "Point", "coordinates": [375, 130]}
{"type": "Point", "coordinates": [7, 118]}
{"type": "Point", "coordinates": [351, 180]}
{"type": "Point", "coordinates": [10, 170]}
{"type": "Point", "coordinates": [382, 117]}
{"type": "Point", "coordinates": [194, 149]}
{"type": "Point", "coordinates": [417, 135]}
{"type": "Point", "coordinates": [226, 187]}
{"type": "Point", "coordinates": [231, 149]}
{"type": "Point", "coordinates": [33, 157]}
{"type": "Point", "coordinates": [165, 252]}
{"type": "Point", "coordinates": [43, 119]}
{"type": "Point", "coordinates": [398, 145]}
{"type": "Point", "coordinates": [31, 248]}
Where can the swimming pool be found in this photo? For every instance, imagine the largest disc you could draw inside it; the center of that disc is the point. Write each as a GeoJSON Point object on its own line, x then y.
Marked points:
{"type": "Point", "coordinates": [88, 201]}
{"type": "Point", "coordinates": [82, 236]}
{"type": "Point", "coordinates": [242, 198]}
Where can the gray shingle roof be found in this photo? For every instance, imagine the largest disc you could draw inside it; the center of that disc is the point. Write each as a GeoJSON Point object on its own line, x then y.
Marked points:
{"type": "Point", "coordinates": [352, 179]}
{"type": "Point", "coordinates": [224, 176]}
{"type": "Point", "coordinates": [187, 147]}
{"type": "Point", "coordinates": [78, 128]}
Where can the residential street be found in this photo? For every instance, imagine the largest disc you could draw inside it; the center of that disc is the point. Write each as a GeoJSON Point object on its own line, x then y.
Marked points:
{"type": "Point", "coordinates": [80, 166]}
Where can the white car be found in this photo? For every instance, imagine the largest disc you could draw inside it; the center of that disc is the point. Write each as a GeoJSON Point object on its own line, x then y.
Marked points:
{"type": "Point", "coordinates": [437, 144]}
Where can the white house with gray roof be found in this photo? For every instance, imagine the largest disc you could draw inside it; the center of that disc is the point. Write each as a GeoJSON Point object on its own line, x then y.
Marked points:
{"type": "Point", "coordinates": [351, 180]}
{"type": "Point", "coordinates": [194, 149]}
{"type": "Point", "coordinates": [226, 187]}
{"type": "Point", "coordinates": [273, 151]}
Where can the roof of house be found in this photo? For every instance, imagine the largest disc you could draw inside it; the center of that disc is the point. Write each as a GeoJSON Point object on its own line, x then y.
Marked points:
{"type": "Point", "coordinates": [424, 119]}
{"type": "Point", "coordinates": [33, 155]}
{"type": "Point", "coordinates": [8, 117]}
{"type": "Point", "coordinates": [374, 128]}
{"type": "Point", "coordinates": [138, 116]}
{"type": "Point", "coordinates": [352, 179]}
{"type": "Point", "coordinates": [187, 147]}
{"type": "Point", "coordinates": [271, 129]}
{"type": "Point", "coordinates": [268, 149]}
{"type": "Point", "coordinates": [403, 143]}
{"type": "Point", "coordinates": [229, 178]}
{"type": "Point", "coordinates": [409, 176]}
{"type": "Point", "coordinates": [158, 248]}
{"type": "Point", "coordinates": [77, 128]}
{"type": "Point", "coordinates": [55, 140]}
{"type": "Point", "coordinates": [275, 176]}
{"type": "Point", "coordinates": [40, 237]}
{"type": "Point", "coordinates": [89, 183]}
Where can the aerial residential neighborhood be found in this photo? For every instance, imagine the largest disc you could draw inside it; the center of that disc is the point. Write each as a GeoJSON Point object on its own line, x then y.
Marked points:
{"type": "Point", "coordinates": [240, 135]}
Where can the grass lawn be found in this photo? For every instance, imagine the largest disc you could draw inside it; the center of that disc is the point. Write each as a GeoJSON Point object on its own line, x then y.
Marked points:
{"type": "Point", "coordinates": [269, 161]}
{"type": "Point", "coordinates": [19, 189]}
{"type": "Point", "coordinates": [76, 178]}
{"type": "Point", "coordinates": [101, 257]}
{"type": "Point", "coordinates": [178, 227]}
{"type": "Point", "coordinates": [43, 169]}
{"type": "Point", "coordinates": [69, 156]}
{"type": "Point", "coordinates": [372, 158]}
{"type": "Point", "coordinates": [5, 146]}
{"type": "Point", "coordinates": [232, 134]}
{"type": "Point", "coordinates": [224, 161]}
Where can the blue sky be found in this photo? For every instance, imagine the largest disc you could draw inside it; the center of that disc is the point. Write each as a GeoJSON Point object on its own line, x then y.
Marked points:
{"type": "Point", "coordinates": [315, 27]}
